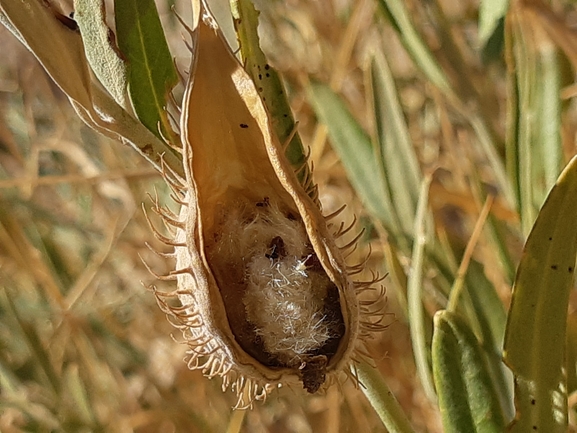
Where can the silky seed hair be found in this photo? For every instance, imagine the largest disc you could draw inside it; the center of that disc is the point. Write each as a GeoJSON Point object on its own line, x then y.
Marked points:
{"type": "Point", "coordinates": [264, 297]}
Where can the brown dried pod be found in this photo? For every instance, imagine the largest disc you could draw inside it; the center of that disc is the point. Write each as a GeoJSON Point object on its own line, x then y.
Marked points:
{"type": "Point", "coordinates": [265, 296]}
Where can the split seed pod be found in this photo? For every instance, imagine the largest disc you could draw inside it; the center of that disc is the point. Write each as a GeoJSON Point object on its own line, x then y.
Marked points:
{"type": "Point", "coordinates": [265, 296]}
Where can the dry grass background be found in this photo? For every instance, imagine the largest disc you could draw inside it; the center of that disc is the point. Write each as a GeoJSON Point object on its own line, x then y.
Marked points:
{"type": "Point", "coordinates": [83, 346]}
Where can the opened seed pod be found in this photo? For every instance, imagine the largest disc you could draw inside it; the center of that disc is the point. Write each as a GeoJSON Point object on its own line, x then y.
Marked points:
{"type": "Point", "coordinates": [264, 295]}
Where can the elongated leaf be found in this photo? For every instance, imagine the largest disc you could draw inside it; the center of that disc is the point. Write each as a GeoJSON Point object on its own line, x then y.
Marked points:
{"type": "Point", "coordinates": [397, 12]}
{"type": "Point", "coordinates": [534, 150]}
{"type": "Point", "coordinates": [467, 399]}
{"type": "Point", "coordinates": [536, 326]}
{"type": "Point", "coordinates": [100, 53]}
{"type": "Point", "coordinates": [383, 400]}
{"type": "Point", "coordinates": [355, 149]}
{"type": "Point", "coordinates": [34, 342]}
{"type": "Point", "coordinates": [268, 82]}
{"type": "Point", "coordinates": [151, 72]}
{"type": "Point", "coordinates": [414, 44]}
{"type": "Point", "coordinates": [77, 396]}
{"type": "Point", "coordinates": [416, 310]}
{"type": "Point", "coordinates": [491, 13]}
{"type": "Point", "coordinates": [400, 165]}
{"type": "Point", "coordinates": [490, 318]}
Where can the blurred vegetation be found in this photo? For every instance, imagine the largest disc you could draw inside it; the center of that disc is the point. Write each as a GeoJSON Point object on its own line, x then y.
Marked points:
{"type": "Point", "coordinates": [443, 125]}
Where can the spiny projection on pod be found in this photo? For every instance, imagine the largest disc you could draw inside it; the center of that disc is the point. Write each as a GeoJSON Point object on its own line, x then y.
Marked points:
{"type": "Point", "coordinates": [264, 296]}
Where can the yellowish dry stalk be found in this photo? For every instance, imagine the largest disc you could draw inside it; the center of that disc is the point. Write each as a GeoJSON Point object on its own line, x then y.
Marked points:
{"type": "Point", "coordinates": [265, 296]}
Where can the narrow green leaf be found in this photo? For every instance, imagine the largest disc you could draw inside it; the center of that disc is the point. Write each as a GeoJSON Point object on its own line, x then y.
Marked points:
{"type": "Point", "coordinates": [355, 149]}
{"type": "Point", "coordinates": [400, 165]}
{"type": "Point", "coordinates": [489, 317]}
{"type": "Point", "coordinates": [424, 59]}
{"type": "Point", "coordinates": [414, 44]}
{"type": "Point", "coordinates": [99, 48]}
{"type": "Point", "coordinates": [467, 399]}
{"type": "Point", "coordinates": [536, 327]}
{"type": "Point", "coordinates": [34, 342]}
{"type": "Point", "coordinates": [534, 148]}
{"type": "Point", "coordinates": [267, 82]}
{"type": "Point", "coordinates": [491, 12]}
{"type": "Point", "coordinates": [550, 115]}
{"type": "Point", "coordinates": [382, 399]}
{"type": "Point", "coordinates": [151, 72]}
{"type": "Point", "coordinates": [76, 395]}
{"type": "Point", "coordinates": [416, 309]}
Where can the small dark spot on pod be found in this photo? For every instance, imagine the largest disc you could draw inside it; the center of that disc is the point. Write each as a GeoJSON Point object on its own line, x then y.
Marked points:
{"type": "Point", "coordinates": [67, 21]}
{"type": "Point", "coordinates": [570, 269]}
{"type": "Point", "coordinates": [267, 67]}
{"type": "Point", "coordinates": [267, 74]}
{"type": "Point", "coordinates": [260, 76]}
{"type": "Point", "coordinates": [550, 238]}
{"type": "Point", "coordinates": [147, 149]}
{"type": "Point", "coordinates": [533, 401]}
{"type": "Point", "coordinates": [554, 267]}
{"type": "Point", "coordinates": [263, 203]}
{"type": "Point", "coordinates": [243, 125]}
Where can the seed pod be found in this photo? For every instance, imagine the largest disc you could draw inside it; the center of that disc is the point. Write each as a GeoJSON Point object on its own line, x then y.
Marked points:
{"type": "Point", "coordinates": [265, 296]}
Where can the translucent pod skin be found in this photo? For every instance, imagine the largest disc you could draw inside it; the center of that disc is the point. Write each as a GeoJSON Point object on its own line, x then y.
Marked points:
{"type": "Point", "coordinates": [265, 296]}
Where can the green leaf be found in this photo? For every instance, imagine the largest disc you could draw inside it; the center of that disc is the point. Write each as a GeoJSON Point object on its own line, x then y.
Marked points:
{"type": "Point", "coordinates": [77, 395]}
{"type": "Point", "coordinates": [268, 82]}
{"type": "Point", "coordinates": [467, 399]}
{"type": "Point", "coordinates": [382, 399]}
{"type": "Point", "coordinates": [398, 14]}
{"type": "Point", "coordinates": [151, 72]}
{"type": "Point", "coordinates": [400, 165]}
{"type": "Point", "coordinates": [417, 49]}
{"type": "Point", "coordinates": [100, 51]}
{"type": "Point", "coordinates": [488, 318]}
{"type": "Point", "coordinates": [416, 310]}
{"type": "Point", "coordinates": [534, 148]}
{"type": "Point", "coordinates": [355, 149]}
{"type": "Point", "coordinates": [491, 12]}
{"type": "Point", "coordinates": [536, 327]}
{"type": "Point", "coordinates": [34, 342]}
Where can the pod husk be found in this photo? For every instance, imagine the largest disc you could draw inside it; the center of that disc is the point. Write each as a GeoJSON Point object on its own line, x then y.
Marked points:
{"type": "Point", "coordinates": [238, 181]}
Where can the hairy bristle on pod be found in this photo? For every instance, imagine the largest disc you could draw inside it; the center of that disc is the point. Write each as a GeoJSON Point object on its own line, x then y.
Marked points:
{"type": "Point", "coordinates": [264, 296]}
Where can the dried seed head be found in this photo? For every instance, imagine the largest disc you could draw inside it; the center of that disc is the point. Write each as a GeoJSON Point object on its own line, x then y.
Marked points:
{"type": "Point", "coordinates": [265, 297]}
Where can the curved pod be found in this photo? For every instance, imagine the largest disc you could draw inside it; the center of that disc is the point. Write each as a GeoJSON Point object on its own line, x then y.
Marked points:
{"type": "Point", "coordinates": [265, 296]}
